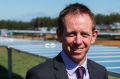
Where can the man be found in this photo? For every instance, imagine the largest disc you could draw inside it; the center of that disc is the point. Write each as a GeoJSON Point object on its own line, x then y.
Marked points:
{"type": "Point", "coordinates": [76, 32]}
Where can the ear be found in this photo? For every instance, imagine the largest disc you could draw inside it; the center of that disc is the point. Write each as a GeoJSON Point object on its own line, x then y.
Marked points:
{"type": "Point", "coordinates": [94, 36]}
{"type": "Point", "coordinates": [59, 35]}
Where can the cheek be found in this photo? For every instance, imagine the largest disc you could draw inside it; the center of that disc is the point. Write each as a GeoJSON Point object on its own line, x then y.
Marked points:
{"type": "Point", "coordinates": [67, 43]}
{"type": "Point", "coordinates": [69, 40]}
{"type": "Point", "coordinates": [87, 41]}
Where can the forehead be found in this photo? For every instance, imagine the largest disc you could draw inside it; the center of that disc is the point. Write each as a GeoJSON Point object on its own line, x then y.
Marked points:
{"type": "Point", "coordinates": [78, 21]}
{"type": "Point", "coordinates": [79, 16]}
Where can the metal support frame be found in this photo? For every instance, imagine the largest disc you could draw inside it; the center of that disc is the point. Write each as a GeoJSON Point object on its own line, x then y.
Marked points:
{"type": "Point", "coordinates": [9, 62]}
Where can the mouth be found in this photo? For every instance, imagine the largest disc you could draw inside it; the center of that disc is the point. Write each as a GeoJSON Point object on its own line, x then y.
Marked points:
{"type": "Point", "coordinates": [77, 49]}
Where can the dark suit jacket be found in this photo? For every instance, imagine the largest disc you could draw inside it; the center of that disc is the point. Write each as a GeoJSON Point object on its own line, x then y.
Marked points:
{"type": "Point", "coordinates": [55, 69]}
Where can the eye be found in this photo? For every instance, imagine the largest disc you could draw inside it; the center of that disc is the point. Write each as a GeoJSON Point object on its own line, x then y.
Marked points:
{"type": "Point", "coordinates": [86, 35]}
{"type": "Point", "coordinates": [71, 34]}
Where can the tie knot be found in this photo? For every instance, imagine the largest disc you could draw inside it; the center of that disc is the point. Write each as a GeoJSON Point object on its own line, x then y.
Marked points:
{"type": "Point", "coordinates": [80, 72]}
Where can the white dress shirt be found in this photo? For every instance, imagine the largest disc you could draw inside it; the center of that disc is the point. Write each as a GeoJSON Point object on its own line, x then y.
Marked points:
{"type": "Point", "coordinates": [71, 67]}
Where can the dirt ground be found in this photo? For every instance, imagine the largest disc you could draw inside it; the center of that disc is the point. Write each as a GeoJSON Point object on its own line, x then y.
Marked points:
{"type": "Point", "coordinates": [108, 42]}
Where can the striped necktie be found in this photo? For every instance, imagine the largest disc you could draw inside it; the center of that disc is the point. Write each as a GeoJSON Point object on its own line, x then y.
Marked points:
{"type": "Point", "coordinates": [80, 72]}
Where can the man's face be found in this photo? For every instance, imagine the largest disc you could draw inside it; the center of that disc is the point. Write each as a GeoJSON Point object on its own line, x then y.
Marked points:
{"type": "Point", "coordinates": [77, 36]}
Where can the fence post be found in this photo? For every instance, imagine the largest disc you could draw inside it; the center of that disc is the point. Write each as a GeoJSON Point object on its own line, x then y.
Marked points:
{"type": "Point", "coordinates": [9, 63]}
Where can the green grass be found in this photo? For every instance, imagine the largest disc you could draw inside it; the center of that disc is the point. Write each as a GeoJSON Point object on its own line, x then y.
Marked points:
{"type": "Point", "coordinates": [112, 77]}
{"type": "Point", "coordinates": [21, 63]}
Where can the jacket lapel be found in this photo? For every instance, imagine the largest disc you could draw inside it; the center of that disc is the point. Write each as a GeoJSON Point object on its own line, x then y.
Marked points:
{"type": "Point", "coordinates": [61, 73]}
{"type": "Point", "coordinates": [91, 70]}
{"type": "Point", "coordinates": [59, 68]}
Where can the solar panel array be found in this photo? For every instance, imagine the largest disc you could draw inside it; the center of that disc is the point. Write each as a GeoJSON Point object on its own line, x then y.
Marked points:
{"type": "Point", "coordinates": [107, 56]}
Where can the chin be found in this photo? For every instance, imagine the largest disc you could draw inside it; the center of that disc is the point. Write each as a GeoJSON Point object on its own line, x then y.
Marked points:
{"type": "Point", "coordinates": [77, 60]}
{"type": "Point", "coordinates": [77, 57]}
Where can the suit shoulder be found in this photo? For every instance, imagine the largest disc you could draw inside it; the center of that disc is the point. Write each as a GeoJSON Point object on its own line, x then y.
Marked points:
{"type": "Point", "coordinates": [41, 71]}
{"type": "Point", "coordinates": [96, 65]}
{"type": "Point", "coordinates": [97, 69]}
{"type": "Point", "coordinates": [45, 66]}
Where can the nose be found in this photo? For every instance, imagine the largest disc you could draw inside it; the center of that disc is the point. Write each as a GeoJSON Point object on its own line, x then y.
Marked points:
{"type": "Point", "coordinates": [78, 39]}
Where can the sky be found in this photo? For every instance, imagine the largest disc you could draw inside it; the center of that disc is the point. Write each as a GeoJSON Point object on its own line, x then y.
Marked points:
{"type": "Point", "coordinates": [26, 10]}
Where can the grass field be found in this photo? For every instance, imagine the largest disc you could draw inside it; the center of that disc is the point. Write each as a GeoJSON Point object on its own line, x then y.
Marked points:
{"type": "Point", "coordinates": [21, 63]}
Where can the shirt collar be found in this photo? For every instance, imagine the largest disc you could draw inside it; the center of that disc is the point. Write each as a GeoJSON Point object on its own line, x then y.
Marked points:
{"type": "Point", "coordinates": [70, 65]}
